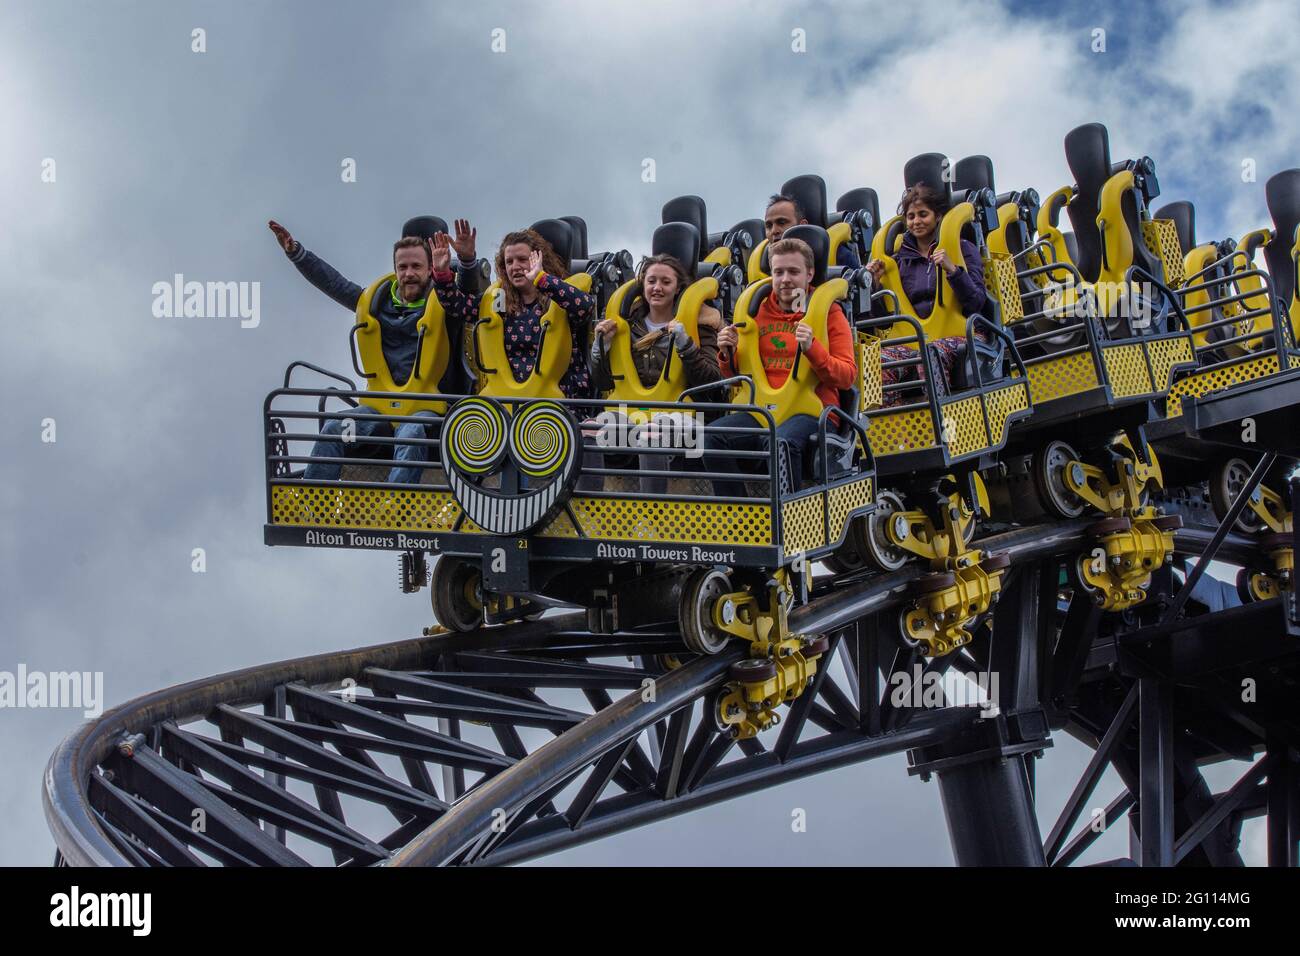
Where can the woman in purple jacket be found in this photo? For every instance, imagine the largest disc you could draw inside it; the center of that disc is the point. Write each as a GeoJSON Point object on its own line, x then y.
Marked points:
{"type": "Point", "coordinates": [919, 259]}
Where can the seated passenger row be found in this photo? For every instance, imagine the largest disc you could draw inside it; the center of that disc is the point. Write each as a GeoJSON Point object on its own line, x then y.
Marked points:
{"type": "Point", "coordinates": [428, 261]}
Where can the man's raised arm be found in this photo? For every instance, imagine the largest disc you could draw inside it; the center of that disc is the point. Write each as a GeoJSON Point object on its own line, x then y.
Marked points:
{"type": "Point", "coordinates": [317, 271]}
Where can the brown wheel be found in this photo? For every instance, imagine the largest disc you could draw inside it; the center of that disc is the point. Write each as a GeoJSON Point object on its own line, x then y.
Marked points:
{"type": "Point", "coordinates": [456, 592]}
{"type": "Point", "coordinates": [816, 647]}
{"type": "Point", "coordinates": [1168, 522]}
{"type": "Point", "coordinates": [1110, 526]}
{"type": "Point", "coordinates": [1049, 464]}
{"type": "Point", "coordinates": [871, 540]}
{"type": "Point", "coordinates": [930, 583]}
{"type": "Point", "coordinates": [847, 558]}
{"type": "Point", "coordinates": [700, 592]}
{"type": "Point", "coordinates": [996, 562]}
{"type": "Point", "coordinates": [752, 670]}
{"type": "Point", "coordinates": [1275, 541]}
{"type": "Point", "coordinates": [1226, 485]}
{"type": "Point", "coordinates": [1248, 590]}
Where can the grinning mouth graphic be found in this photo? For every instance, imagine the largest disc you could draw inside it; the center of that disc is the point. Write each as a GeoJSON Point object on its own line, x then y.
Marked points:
{"type": "Point", "coordinates": [541, 442]}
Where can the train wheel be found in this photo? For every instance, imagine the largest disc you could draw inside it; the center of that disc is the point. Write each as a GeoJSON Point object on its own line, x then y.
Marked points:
{"type": "Point", "coordinates": [846, 558]}
{"type": "Point", "coordinates": [872, 540]}
{"type": "Point", "coordinates": [1049, 467]}
{"type": "Point", "coordinates": [1226, 484]}
{"type": "Point", "coordinates": [701, 591]}
{"type": "Point", "coordinates": [1255, 586]}
{"type": "Point", "coordinates": [456, 591]}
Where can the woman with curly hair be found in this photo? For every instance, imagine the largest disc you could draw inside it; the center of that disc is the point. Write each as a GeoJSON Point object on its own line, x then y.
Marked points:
{"type": "Point", "coordinates": [532, 277]}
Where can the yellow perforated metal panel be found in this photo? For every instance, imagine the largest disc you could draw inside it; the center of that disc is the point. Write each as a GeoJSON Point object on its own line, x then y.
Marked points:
{"type": "Point", "coordinates": [1001, 403]}
{"type": "Point", "coordinates": [1202, 383]}
{"type": "Point", "coordinates": [1161, 237]}
{"type": "Point", "coordinates": [962, 421]}
{"type": "Point", "coordinates": [870, 385]}
{"type": "Point", "coordinates": [1126, 367]}
{"type": "Point", "coordinates": [1058, 376]}
{"type": "Point", "coordinates": [561, 526]}
{"type": "Point", "coordinates": [1166, 355]}
{"type": "Point", "coordinates": [673, 521]}
{"type": "Point", "coordinates": [840, 501]}
{"type": "Point", "coordinates": [802, 526]}
{"type": "Point", "coordinates": [1000, 277]}
{"type": "Point", "coordinates": [371, 508]}
{"type": "Point", "coordinates": [894, 432]}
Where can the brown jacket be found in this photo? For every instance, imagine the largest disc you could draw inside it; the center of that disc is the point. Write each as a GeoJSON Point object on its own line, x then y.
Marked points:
{"type": "Point", "coordinates": [650, 351]}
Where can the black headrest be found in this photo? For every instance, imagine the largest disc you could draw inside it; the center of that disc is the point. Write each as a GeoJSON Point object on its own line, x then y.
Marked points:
{"type": "Point", "coordinates": [809, 192]}
{"type": "Point", "coordinates": [1282, 193]}
{"type": "Point", "coordinates": [424, 227]}
{"type": "Point", "coordinates": [559, 234]}
{"type": "Point", "coordinates": [687, 209]}
{"type": "Point", "coordinates": [974, 172]}
{"type": "Point", "coordinates": [820, 241]}
{"type": "Point", "coordinates": [862, 198]}
{"type": "Point", "coordinates": [680, 240]}
{"type": "Point", "coordinates": [754, 228]}
{"type": "Point", "coordinates": [1087, 153]}
{"type": "Point", "coordinates": [1183, 214]}
{"type": "Point", "coordinates": [579, 226]}
{"type": "Point", "coordinates": [928, 168]}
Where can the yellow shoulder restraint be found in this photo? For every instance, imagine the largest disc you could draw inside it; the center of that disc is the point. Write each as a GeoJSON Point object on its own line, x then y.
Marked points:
{"type": "Point", "coordinates": [1197, 259]}
{"type": "Point", "coordinates": [797, 395]}
{"type": "Point", "coordinates": [945, 318]}
{"type": "Point", "coordinates": [432, 353]}
{"type": "Point", "coordinates": [557, 346]}
{"type": "Point", "coordinates": [628, 389]}
{"type": "Point", "coordinates": [1048, 230]}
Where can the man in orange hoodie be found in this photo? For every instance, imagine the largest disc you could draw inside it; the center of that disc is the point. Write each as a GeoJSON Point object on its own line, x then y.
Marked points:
{"type": "Point", "coordinates": [781, 334]}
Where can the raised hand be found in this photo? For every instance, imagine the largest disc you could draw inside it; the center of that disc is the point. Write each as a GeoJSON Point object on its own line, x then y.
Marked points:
{"type": "Point", "coordinates": [282, 236]}
{"type": "Point", "coordinates": [534, 265]}
{"type": "Point", "coordinates": [464, 243]}
{"type": "Point", "coordinates": [803, 334]}
{"type": "Point", "coordinates": [940, 258]}
{"type": "Point", "coordinates": [440, 253]}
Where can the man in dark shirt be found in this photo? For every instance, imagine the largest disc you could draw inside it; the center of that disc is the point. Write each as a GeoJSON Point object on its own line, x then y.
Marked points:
{"type": "Point", "coordinates": [421, 269]}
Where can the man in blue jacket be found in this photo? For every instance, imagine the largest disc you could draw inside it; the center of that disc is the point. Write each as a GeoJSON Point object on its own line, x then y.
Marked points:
{"type": "Point", "coordinates": [421, 268]}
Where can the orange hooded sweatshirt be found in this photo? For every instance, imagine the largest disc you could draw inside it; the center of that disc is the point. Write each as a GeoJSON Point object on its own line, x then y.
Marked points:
{"type": "Point", "coordinates": [836, 367]}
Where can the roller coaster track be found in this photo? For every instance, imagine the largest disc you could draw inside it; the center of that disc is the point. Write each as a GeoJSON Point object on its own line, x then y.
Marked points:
{"type": "Point", "coordinates": [536, 746]}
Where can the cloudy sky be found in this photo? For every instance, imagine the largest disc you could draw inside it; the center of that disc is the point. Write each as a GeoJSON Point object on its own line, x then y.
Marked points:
{"type": "Point", "coordinates": [166, 160]}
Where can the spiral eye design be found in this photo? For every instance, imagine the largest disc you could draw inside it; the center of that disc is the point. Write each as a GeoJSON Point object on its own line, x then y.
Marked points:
{"type": "Point", "coordinates": [536, 452]}
{"type": "Point", "coordinates": [541, 439]}
{"type": "Point", "coordinates": [474, 435]}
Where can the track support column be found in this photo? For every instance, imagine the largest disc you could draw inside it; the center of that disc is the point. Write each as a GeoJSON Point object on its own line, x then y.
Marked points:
{"type": "Point", "coordinates": [986, 793]}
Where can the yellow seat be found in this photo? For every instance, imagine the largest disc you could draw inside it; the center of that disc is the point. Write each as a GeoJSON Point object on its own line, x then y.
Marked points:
{"type": "Point", "coordinates": [433, 352]}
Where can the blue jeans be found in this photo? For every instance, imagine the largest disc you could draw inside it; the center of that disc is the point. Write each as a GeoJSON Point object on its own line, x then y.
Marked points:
{"type": "Point", "coordinates": [791, 435]}
{"type": "Point", "coordinates": [334, 447]}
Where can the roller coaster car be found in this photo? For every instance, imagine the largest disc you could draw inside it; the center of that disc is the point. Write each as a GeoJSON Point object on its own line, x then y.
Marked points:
{"type": "Point", "coordinates": [1098, 352]}
{"type": "Point", "coordinates": [513, 535]}
{"type": "Point", "coordinates": [852, 224]}
{"type": "Point", "coordinates": [1246, 318]}
{"type": "Point", "coordinates": [930, 451]}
